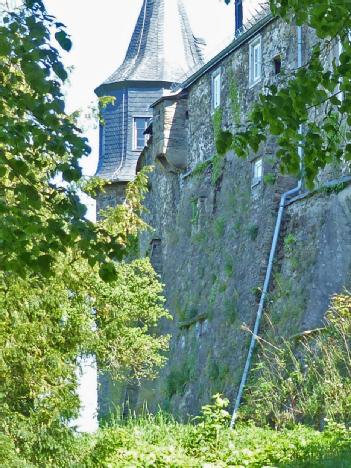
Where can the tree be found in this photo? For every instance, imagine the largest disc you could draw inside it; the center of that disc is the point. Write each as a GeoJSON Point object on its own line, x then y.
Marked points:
{"type": "Point", "coordinates": [38, 141]}
{"type": "Point", "coordinates": [314, 96]}
{"type": "Point", "coordinates": [49, 324]}
{"type": "Point", "coordinates": [65, 291]}
{"type": "Point", "coordinates": [48, 327]}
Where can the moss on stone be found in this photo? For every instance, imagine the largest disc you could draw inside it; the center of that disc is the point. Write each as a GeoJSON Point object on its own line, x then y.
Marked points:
{"type": "Point", "coordinates": [201, 167]}
{"type": "Point", "coordinates": [219, 227]}
{"type": "Point", "coordinates": [229, 268]}
{"type": "Point", "coordinates": [252, 230]}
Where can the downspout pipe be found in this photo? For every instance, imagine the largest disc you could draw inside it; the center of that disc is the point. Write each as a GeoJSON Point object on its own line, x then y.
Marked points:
{"type": "Point", "coordinates": [284, 198]}
{"type": "Point", "coordinates": [254, 337]}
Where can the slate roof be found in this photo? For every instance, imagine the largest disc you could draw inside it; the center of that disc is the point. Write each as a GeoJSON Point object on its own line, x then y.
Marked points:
{"type": "Point", "coordinates": [162, 47]}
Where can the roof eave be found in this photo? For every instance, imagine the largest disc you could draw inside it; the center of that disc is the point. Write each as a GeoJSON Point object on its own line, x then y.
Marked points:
{"type": "Point", "coordinates": [101, 89]}
{"type": "Point", "coordinates": [171, 97]}
{"type": "Point", "coordinates": [227, 51]}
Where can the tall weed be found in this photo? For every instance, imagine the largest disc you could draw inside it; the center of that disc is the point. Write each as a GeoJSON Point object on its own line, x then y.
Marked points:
{"type": "Point", "coordinates": [306, 379]}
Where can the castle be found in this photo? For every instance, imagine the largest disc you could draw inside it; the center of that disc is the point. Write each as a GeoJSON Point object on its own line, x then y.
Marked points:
{"type": "Point", "coordinates": [214, 218]}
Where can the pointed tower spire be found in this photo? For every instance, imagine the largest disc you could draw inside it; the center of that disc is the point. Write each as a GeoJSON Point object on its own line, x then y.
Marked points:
{"type": "Point", "coordinates": [162, 50]}
{"type": "Point", "coordinates": [162, 47]}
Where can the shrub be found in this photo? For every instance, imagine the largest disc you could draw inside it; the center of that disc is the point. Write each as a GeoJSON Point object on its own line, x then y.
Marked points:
{"type": "Point", "coordinates": [159, 441]}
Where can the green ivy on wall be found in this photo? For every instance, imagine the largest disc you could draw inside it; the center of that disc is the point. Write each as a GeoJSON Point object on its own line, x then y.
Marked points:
{"type": "Point", "coordinates": [217, 159]}
{"type": "Point", "coordinates": [234, 98]}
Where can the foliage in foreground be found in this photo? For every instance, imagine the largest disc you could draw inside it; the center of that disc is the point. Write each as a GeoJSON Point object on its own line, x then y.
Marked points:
{"type": "Point", "coordinates": [308, 381]}
{"type": "Point", "coordinates": [39, 141]}
{"type": "Point", "coordinates": [156, 441]}
{"type": "Point", "coordinates": [49, 324]}
{"type": "Point", "coordinates": [46, 328]}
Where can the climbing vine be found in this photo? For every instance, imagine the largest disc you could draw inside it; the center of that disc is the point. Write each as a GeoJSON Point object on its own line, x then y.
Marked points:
{"type": "Point", "coordinates": [217, 121]}
{"type": "Point", "coordinates": [234, 99]}
{"type": "Point", "coordinates": [217, 159]}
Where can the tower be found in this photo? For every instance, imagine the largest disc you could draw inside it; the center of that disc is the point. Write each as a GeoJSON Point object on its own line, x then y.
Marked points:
{"type": "Point", "coordinates": [162, 51]}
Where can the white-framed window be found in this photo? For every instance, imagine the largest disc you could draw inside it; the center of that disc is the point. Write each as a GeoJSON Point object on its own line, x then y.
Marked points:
{"type": "Point", "coordinates": [255, 61]}
{"type": "Point", "coordinates": [257, 171]}
{"type": "Point", "coordinates": [216, 89]}
{"type": "Point", "coordinates": [140, 124]}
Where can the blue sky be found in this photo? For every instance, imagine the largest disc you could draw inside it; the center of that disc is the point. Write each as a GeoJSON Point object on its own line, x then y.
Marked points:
{"type": "Point", "coordinates": [100, 31]}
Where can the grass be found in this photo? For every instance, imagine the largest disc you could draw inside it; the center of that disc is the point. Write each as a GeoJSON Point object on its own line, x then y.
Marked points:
{"type": "Point", "coordinates": [160, 441]}
{"type": "Point", "coordinates": [206, 441]}
{"type": "Point", "coordinates": [334, 188]}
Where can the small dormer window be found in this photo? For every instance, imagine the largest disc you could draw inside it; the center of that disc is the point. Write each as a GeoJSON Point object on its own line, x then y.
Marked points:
{"type": "Point", "coordinates": [255, 61]}
{"type": "Point", "coordinates": [257, 171]}
{"type": "Point", "coordinates": [140, 124]}
{"type": "Point", "coordinates": [216, 89]}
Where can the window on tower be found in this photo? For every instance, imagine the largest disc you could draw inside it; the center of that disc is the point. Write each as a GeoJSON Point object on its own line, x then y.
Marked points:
{"type": "Point", "coordinates": [140, 124]}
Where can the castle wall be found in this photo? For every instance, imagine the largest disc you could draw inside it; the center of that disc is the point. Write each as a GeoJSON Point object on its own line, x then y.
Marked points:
{"type": "Point", "coordinates": [213, 228]}
{"type": "Point", "coordinates": [215, 236]}
{"type": "Point", "coordinates": [313, 261]}
{"type": "Point", "coordinates": [215, 245]}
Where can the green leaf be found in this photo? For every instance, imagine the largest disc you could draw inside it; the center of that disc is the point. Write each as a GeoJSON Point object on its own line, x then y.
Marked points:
{"type": "Point", "coordinates": [3, 170]}
{"type": "Point", "coordinates": [44, 263]}
{"type": "Point", "coordinates": [64, 41]}
{"type": "Point", "coordinates": [71, 174]}
{"type": "Point", "coordinates": [5, 46]}
{"type": "Point", "coordinates": [223, 141]}
{"type": "Point", "coordinates": [108, 272]}
{"type": "Point", "coordinates": [60, 71]}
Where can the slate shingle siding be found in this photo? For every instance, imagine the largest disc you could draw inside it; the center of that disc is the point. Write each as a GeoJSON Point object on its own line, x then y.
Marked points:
{"type": "Point", "coordinates": [115, 130]}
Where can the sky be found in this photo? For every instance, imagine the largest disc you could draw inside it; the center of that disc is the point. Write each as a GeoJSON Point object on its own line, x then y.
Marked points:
{"type": "Point", "coordinates": [100, 32]}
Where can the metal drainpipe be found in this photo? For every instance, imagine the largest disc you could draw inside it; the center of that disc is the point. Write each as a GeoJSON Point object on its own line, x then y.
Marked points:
{"type": "Point", "coordinates": [282, 204]}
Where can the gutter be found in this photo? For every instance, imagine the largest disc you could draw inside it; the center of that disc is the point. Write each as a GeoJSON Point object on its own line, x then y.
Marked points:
{"type": "Point", "coordinates": [282, 205]}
